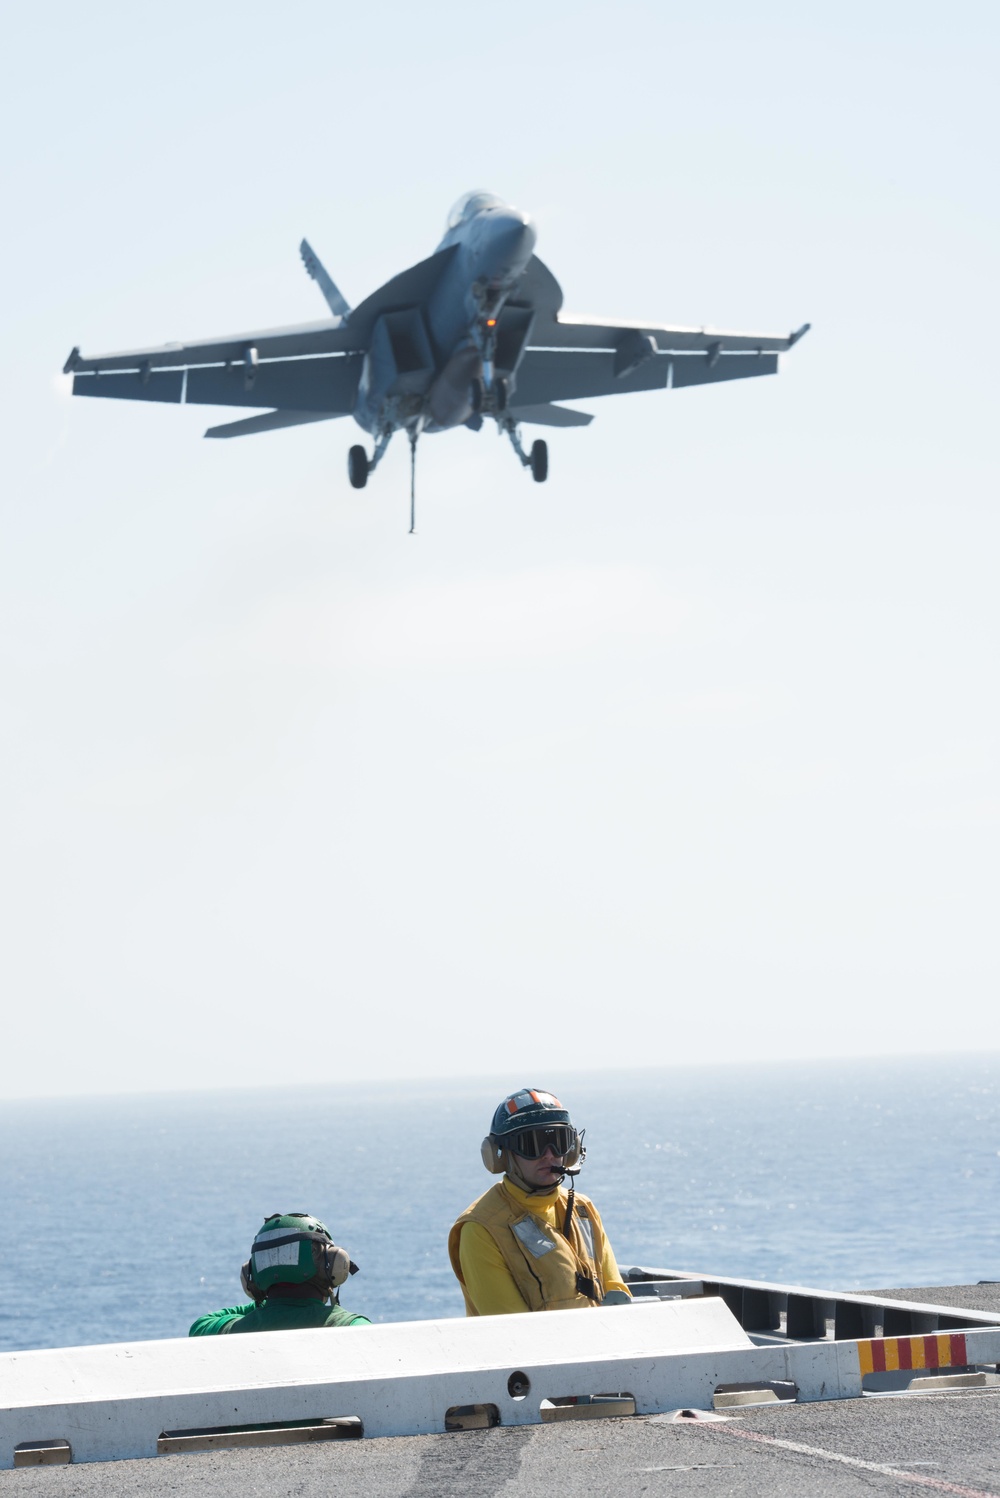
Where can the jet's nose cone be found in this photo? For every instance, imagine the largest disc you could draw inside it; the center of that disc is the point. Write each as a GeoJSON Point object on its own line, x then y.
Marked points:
{"type": "Point", "coordinates": [512, 236]}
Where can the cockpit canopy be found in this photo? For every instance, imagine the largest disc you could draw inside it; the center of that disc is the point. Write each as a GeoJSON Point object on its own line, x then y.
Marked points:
{"type": "Point", "coordinates": [470, 204]}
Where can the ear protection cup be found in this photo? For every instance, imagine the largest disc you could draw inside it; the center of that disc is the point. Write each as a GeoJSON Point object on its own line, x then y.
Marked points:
{"type": "Point", "coordinates": [577, 1152]}
{"type": "Point", "coordinates": [492, 1154]}
{"type": "Point", "coordinates": [250, 1286]}
{"type": "Point", "coordinates": [336, 1265]}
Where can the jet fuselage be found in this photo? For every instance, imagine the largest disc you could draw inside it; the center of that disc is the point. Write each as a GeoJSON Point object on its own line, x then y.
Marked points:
{"type": "Point", "coordinates": [425, 369]}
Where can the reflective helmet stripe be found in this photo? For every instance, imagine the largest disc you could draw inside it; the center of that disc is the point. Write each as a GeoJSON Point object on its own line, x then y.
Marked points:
{"type": "Point", "coordinates": [531, 1099]}
{"type": "Point", "coordinates": [277, 1236]}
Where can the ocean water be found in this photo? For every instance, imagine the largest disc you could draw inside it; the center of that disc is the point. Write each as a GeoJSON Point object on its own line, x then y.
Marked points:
{"type": "Point", "coordinates": [127, 1217]}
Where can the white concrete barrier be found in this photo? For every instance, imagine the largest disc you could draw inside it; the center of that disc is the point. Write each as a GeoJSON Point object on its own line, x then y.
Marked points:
{"type": "Point", "coordinates": [116, 1401]}
{"type": "Point", "coordinates": [400, 1379]}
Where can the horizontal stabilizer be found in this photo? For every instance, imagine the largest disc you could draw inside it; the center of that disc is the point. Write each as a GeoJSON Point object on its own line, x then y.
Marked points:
{"type": "Point", "coordinates": [269, 421]}
{"type": "Point", "coordinates": [552, 416]}
{"type": "Point", "coordinates": [317, 270]}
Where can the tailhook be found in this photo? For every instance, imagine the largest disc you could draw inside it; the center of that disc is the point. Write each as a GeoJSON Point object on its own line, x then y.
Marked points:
{"type": "Point", "coordinates": [413, 435]}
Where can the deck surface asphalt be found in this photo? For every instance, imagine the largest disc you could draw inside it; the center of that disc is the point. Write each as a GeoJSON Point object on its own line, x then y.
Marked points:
{"type": "Point", "coordinates": [936, 1443]}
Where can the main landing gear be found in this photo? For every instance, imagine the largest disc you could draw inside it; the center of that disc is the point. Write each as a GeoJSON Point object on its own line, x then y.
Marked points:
{"type": "Point", "coordinates": [360, 465]}
{"type": "Point", "coordinates": [537, 459]}
{"type": "Point", "coordinates": [490, 394]}
{"type": "Point", "coordinates": [357, 467]}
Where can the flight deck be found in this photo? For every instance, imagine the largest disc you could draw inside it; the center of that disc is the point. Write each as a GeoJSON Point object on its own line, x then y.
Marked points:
{"type": "Point", "coordinates": [919, 1418]}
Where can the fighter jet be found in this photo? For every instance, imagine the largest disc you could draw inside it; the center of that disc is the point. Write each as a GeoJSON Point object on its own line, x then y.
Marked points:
{"type": "Point", "coordinates": [473, 334]}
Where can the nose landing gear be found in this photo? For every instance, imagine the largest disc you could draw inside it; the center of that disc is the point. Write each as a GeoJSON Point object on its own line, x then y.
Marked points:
{"type": "Point", "coordinates": [494, 397]}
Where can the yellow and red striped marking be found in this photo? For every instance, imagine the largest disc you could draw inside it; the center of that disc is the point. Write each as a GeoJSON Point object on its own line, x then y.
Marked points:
{"type": "Point", "coordinates": [887, 1354]}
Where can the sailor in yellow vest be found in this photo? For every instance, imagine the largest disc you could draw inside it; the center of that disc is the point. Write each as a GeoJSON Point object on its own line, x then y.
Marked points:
{"type": "Point", "coordinates": [529, 1244]}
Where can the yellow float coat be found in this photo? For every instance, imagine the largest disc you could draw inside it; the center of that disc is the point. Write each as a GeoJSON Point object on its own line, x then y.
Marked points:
{"type": "Point", "coordinates": [509, 1252]}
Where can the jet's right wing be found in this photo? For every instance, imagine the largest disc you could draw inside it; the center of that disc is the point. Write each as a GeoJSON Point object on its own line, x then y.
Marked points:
{"type": "Point", "coordinates": [326, 385]}
{"type": "Point", "coordinates": [310, 367]}
{"type": "Point", "coordinates": [325, 337]}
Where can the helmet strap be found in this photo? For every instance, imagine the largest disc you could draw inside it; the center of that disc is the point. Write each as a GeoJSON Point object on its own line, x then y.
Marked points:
{"type": "Point", "coordinates": [510, 1166]}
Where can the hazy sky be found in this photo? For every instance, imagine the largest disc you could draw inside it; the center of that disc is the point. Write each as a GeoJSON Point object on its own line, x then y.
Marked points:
{"type": "Point", "coordinates": [691, 753]}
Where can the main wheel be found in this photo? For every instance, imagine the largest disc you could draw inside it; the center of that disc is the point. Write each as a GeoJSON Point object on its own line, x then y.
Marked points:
{"type": "Point", "coordinates": [539, 461]}
{"type": "Point", "coordinates": [477, 394]}
{"type": "Point", "coordinates": [501, 393]}
{"type": "Point", "coordinates": [357, 467]}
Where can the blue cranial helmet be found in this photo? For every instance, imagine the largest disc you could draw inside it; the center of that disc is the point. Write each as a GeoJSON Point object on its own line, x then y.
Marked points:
{"type": "Point", "coordinates": [526, 1124]}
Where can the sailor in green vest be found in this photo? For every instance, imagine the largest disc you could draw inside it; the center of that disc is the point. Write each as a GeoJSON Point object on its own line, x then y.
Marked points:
{"type": "Point", "coordinates": [293, 1277]}
{"type": "Point", "coordinates": [529, 1244]}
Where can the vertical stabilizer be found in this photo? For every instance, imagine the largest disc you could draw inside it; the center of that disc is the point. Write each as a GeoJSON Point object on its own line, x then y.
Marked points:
{"type": "Point", "coordinates": [315, 267]}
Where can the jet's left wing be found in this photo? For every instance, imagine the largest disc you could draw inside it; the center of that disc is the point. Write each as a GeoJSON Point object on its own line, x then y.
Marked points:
{"type": "Point", "coordinates": [585, 333]}
{"type": "Point", "coordinates": [630, 341]}
{"type": "Point", "coordinates": [577, 358]}
{"type": "Point", "coordinates": [546, 375]}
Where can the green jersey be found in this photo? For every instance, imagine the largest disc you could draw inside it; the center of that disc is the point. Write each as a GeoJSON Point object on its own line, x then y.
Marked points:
{"type": "Point", "coordinates": [284, 1315]}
